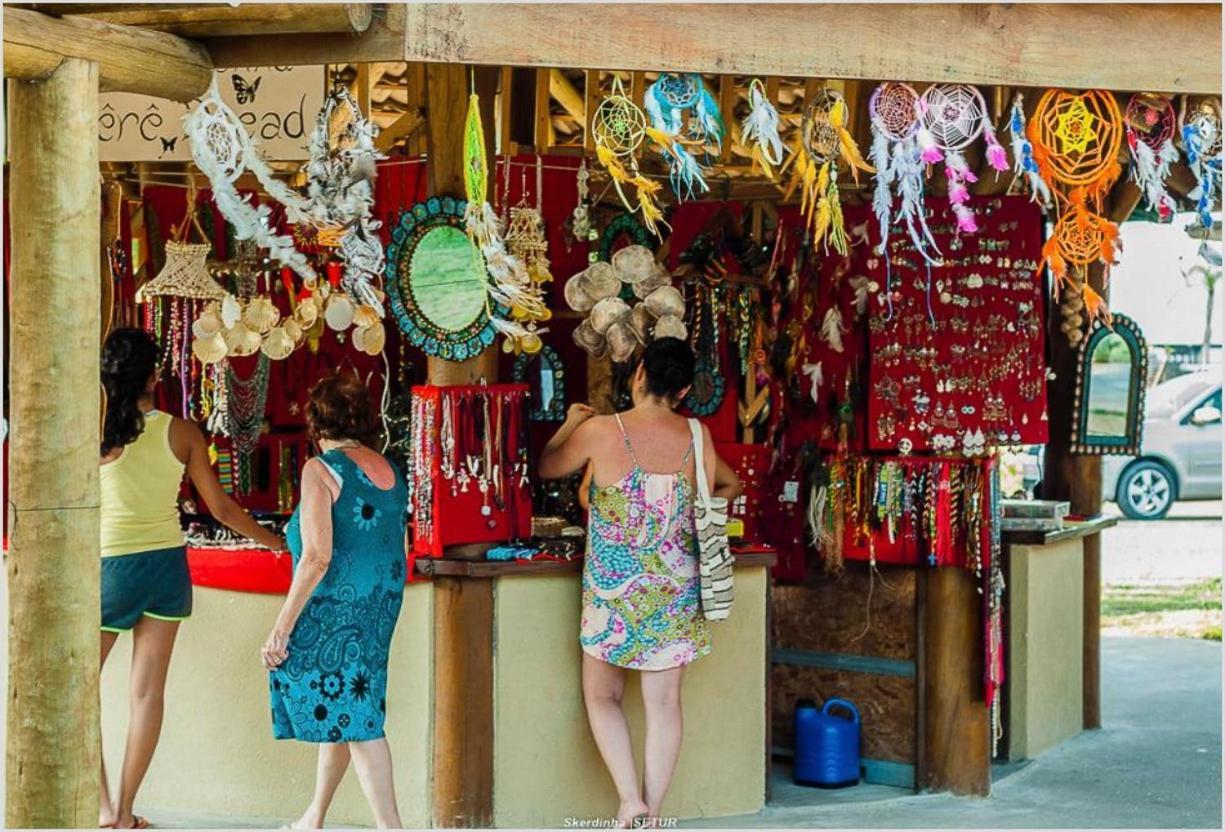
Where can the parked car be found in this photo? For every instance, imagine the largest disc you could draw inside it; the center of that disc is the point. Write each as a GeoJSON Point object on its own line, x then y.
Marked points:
{"type": "Point", "coordinates": [1180, 455]}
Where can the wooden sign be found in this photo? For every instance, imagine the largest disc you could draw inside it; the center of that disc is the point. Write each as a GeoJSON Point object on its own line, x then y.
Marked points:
{"type": "Point", "coordinates": [277, 104]}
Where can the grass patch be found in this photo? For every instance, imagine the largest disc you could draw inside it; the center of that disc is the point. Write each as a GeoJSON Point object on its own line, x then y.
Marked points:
{"type": "Point", "coordinates": [1188, 610]}
{"type": "Point", "coordinates": [1129, 599]}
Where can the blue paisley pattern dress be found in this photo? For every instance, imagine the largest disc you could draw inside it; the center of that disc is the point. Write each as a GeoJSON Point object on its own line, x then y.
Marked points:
{"type": "Point", "coordinates": [333, 685]}
{"type": "Point", "coordinates": [641, 607]}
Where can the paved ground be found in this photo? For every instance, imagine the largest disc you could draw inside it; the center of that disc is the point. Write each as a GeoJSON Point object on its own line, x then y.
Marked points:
{"type": "Point", "coordinates": [1155, 763]}
{"type": "Point", "coordinates": [1185, 546]}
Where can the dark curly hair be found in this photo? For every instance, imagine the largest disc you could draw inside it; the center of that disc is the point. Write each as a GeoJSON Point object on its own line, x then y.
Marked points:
{"type": "Point", "coordinates": [340, 407]}
{"type": "Point", "coordinates": [129, 358]}
{"type": "Point", "coordinates": [669, 364]}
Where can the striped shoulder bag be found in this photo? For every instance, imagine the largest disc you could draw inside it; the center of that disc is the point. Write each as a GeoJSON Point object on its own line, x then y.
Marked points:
{"type": "Point", "coordinates": [714, 553]}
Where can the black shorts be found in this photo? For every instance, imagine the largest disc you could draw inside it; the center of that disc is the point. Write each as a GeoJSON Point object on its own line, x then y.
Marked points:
{"type": "Point", "coordinates": [155, 583]}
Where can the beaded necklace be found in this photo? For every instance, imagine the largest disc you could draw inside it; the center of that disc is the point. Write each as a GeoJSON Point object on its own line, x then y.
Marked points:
{"type": "Point", "coordinates": [246, 400]}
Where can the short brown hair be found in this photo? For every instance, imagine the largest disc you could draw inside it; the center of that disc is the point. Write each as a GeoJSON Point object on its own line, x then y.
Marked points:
{"type": "Point", "coordinates": [340, 408]}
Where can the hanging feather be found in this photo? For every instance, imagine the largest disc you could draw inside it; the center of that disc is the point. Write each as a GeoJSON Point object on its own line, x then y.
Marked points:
{"type": "Point", "coordinates": [648, 204]}
{"type": "Point", "coordinates": [816, 378]}
{"type": "Point", "coordinates": [862, 286]}
{"type": "Point", "coordinates": [909, 171]}
{"type": "Point", "coordinates": [832, 329]}
{"type": "Point", "coordinates": [760, 129]}
{"type": "Point", "coordinates": [1023, 160]}
{"type": "Point", "coordinates": [997, 157]}
{"type": "Point", "coordinates": [1150, 172]}
{"type": "Point", "coordinates": [846, 142]}
{"type": "Point", "coordinates": [886, 174]}
{"type": "Point", "coordinates": [959, 176]}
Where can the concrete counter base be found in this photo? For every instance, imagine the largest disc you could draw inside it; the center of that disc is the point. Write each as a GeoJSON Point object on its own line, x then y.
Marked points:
{"type": "Point", "coordinates": [217, 754]}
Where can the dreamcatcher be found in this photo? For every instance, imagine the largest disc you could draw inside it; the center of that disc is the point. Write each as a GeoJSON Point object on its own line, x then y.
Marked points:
{"type": "Point", "coordinates": [619, 127]}
{"type": "Point", "coordinates": [337, 205]}
{"type": "Point", "coordinates": [1076, 140]}
{"type": "Point", "coordinates": [525, 240]}
{"type": "Point", "coordinates": [951, 118]}
{"type": "Point", "coordinates": [1201, 143]}
{"type": "Point", "coordinates": [894, 115]}
{"type": "Point", "coordinates": [683, 113]}
{"type": "Point", "coordinates": [821, 140]}
{"type": "Point", "coordinates": [760, 130]}
{"type": "Point", "coordinates": [510, 285]}
{"type": "Point", "coordinates": [1023, 163]}
{"type": "Point", "coordinates": [1151, 120]}
{"type": "Point", "coordinates": [613, 327]}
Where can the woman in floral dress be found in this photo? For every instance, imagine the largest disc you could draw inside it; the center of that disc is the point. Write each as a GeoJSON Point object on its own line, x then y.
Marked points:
{"type": "Point", "coordinates": [327, 653]}
{"type": "Point", "coordinates": [640, 577]}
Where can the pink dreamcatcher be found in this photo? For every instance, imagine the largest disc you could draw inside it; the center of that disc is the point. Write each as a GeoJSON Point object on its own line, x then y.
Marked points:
{"type": "Point", "coordinates": [951, 118]}
{"type": "Point", "coordinates": [1150, 123]}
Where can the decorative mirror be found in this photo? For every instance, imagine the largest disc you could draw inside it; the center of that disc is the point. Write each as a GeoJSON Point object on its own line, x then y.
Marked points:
{"type": "Point", "coordinates": [438, 283]}
{"type": "Point", "coordinates": [624, 227]}
{"type": "Point", "coordinates": [1110, 379]}
{"type": "Point", "coordinates": [546, 380]}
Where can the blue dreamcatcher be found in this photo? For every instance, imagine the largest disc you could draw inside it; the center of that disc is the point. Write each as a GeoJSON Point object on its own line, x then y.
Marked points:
{"type": "Point", "coordinates": [683, 113]}
{"type": "Point", "coordinates": [438, 283]}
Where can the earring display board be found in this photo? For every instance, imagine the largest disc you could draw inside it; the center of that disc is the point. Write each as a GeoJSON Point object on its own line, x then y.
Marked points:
{"type": "Point", "coordinates": [469, 462]}
{"type": "Point", "coordinates": [957, 360]}
{"type": "Point", "coordinates": [751, 464]}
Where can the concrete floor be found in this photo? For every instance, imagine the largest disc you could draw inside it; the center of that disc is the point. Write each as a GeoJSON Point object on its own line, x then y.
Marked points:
{"type": "Point", "coordinates": [1155, 763]}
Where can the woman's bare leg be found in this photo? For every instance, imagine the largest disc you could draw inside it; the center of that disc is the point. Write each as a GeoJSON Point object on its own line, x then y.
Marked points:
{"type": "Point", "coordinates": [372, 759]}
{"type": "Point", "coordinates": [603, 687]}
{"type": "Point", "coordinates": [106, 809]}
{"type": "Point", "coordinates": [333, 763]}
{"type": "Point", "coordinates": [661, 697]}
{"type": "Point", "coordinates": [152, 644]}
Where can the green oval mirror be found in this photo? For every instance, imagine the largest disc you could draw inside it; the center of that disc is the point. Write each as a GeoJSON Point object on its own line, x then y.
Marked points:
{"type": "Point", "coordinates": [447, 278]}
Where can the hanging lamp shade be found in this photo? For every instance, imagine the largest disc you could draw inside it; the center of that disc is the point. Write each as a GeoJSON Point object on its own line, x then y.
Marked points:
{"type": "Point", "coordinates": [184, 275]}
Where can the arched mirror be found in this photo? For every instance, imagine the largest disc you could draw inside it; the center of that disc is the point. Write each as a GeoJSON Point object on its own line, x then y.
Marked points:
{"type": "Point", "coordinates": [546, 379]}
{"type": "Point", "coordinates": [1110, 380]}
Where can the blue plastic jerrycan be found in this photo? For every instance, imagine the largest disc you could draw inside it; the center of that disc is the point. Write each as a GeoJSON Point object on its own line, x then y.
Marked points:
{"type": "Point", "coordinates": [826, 746]}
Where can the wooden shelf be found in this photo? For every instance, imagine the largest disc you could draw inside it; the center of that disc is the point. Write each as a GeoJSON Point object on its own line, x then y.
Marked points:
{"type": "Point", "coordinates": [1070, 531]}
{"type": "Point", "coordinates": [451, 568]}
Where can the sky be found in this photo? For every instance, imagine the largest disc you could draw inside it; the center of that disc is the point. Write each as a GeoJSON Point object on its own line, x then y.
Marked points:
{"type": "Point", "coordinates": [1148, 285]}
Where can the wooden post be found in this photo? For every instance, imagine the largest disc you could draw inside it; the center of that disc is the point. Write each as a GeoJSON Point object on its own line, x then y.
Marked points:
{"type": "Point", "coordinates": [1078, 478]}
{"type": "Point", "coordinates": [956, 751]}
{"type": "Point", "coordinates": [463, 608]}
{"type": "Point", "coordinates": [53, 564]}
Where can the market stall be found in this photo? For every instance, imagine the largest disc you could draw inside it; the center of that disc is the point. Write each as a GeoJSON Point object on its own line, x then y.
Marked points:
{"type": "Point", "coordinates": [886, 284]}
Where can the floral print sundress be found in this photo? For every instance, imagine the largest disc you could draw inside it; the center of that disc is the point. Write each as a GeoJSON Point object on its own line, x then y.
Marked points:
{"type": "Point", "coordinates": [333, 685]}
{"type": "Point", "coordinates": [640, 577]}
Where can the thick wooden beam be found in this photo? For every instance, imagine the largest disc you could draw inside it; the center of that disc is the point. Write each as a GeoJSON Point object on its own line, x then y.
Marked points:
{"type": "Point", "coordinates": [956, 752]}
{"type": "Point", "coordinates": [129, 59]}
{"type": "Point", "coordinates": [1078, 477]}
{"type": "Point", "coordinates": [382, 41]}
{"type": "Point", "coordinates": [567, 96]}
{"type": "Point", "coordinates": [463, 703]}
{"type": "Point", "coordinates": [53, 745]}
{"type": "Point", "coordinates": [1021, 44]}
{"type": "Point", "coordinates": [544, 137]}
{"type": "Point", "coordinates": [221, 19]}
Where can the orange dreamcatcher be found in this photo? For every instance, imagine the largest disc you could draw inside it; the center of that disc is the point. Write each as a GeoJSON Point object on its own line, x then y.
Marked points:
{"type": "Point", "coordinates": [1076, 140]}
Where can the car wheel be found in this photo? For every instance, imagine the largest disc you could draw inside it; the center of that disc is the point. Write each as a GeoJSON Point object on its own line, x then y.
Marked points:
{"type": "Point", "coordinates": [1146, 491]}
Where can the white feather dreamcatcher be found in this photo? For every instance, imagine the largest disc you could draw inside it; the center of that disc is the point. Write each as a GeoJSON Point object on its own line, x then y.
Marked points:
{"type": "Point", "coordinates": [759, 129]}
{"type": "Point", "coordinates": [1023, 162]}
{"type": "Point", "coordinates": [897, 157]}
{"type": "Point", "coordinates": [1150, 123]}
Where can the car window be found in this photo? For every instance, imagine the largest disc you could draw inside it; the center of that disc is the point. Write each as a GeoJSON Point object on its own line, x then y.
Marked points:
{"type": "Point", "coordinates": [1211, 401]}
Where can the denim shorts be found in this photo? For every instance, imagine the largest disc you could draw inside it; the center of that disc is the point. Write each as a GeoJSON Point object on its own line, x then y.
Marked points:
{"type": "Point", "coordinates": [154, 583]}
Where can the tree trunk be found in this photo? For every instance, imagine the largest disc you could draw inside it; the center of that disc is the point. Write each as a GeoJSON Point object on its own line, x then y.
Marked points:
{"type": "Point", "coordinates": [53, 563]}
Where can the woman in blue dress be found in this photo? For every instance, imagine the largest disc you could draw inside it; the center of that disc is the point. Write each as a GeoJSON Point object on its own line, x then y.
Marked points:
{"type": "Point", "coordinates": [327, 653]}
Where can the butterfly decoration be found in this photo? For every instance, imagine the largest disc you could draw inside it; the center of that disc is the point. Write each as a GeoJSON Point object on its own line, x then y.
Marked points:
{"type": "Point", "coordinates": [244, 92]}
{"type": "Point", "coordinates": [168, 144]}
{"type": "Point", "coordinates": [683, 113]}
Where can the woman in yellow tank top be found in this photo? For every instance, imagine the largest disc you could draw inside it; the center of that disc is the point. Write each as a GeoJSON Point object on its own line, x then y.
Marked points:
{"type": "Point", "coordinates": [146, 587]}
